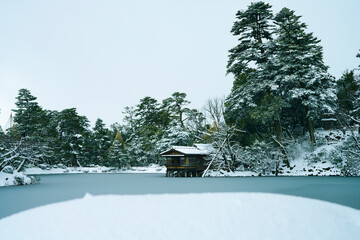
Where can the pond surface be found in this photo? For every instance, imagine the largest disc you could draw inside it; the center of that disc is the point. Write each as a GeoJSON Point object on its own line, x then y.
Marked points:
{"type": "Point", "coordinates": [56, 188]}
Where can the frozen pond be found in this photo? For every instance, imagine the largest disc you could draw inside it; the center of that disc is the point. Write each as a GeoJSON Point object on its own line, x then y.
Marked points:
{"type": "Point", "coordinates": [56, 188]}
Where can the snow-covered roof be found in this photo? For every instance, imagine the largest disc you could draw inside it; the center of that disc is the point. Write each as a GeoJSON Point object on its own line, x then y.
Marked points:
{"type": "Point", "coordinates": [186, 150]}
{"type": "Point", "coordinates": [329, 119]}
{"type": "Point", "coordinates": [208, 148]}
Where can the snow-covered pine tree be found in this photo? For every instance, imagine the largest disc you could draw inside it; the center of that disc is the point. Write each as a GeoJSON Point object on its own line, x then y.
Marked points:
{"type": "Point", "coordinates": [72, 135]}
{"type": "Point", "coordinates": [28, 114]}
{"type": "Point", "coordinates": [147, 127]}
{"type": "Point", "coordinates": [140, 132]}
{"type": "Point", "coordinates": [176, 106]}
{"type": "Point", "coordinates": [116, 157]}
{"type": "Point", "coordinates": [101, 142]}
{"type": "Point", "coordinates": [29, 131]}
{"type": "Point", "coordinates": [347, 89]}
{"type": "Point", "coordinates": [175, 135]}
{"type": "Point", "coordinates": [253, 29]}
{"type": "Point", "coordinates": [351, 148]}
{"type": "Point", "coordinates": [301, 77]}
{"type": "Point", "coordinates": [279, 79]}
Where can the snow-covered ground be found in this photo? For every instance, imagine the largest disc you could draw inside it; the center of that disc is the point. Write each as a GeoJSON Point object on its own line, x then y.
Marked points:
{"type": "Point", "coordinates": [18, 178]}
{"type": "Point", "coordinates": [222, 173]}
{"type": "Point", "coordinates": [323, 159]}
{"type": "Point", "coordinates": [318, 160]}
{"type": "Point", "coordinates": [153, 168]}
{"type": "Point", "coordinates": [185, 216]}
{"type": "Point", "coordinates": [22, 178]}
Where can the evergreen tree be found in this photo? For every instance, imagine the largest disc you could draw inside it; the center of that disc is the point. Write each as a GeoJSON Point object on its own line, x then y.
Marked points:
{"type": "Point", "coordinates": [72, 135]}
{"type": "Point", "coordinates": [176, 107]}
{"type": "Point", "coordinates": [280, 77]}
{"type": "Point", "coordinates": [116, 156]}
{"type": "Point", "coordinates": [253, 28]}
{"type": "Point", "coordinates": [148, 132]}
{"type": "Point", "coordinates": [301, 77]}
{"type": "Point", "coordinates": [29, 116]}
{"type": "Point", "coordinates": [29, 130]}
{"type": "Point", "coordinates": [51, 147]}
{"type": "Point", "coordinates": [195, 125]}
{"type": "Point", "coordinates": [289, 84]}
{"type": "Point", "coordinates": [347, 89]}
{"type": "Point", "coordinates": [147, 112]}
{"type": "Point", "coordinates": [100, 142]}
{"type": "Point", "coordinates": [150, 126]}
{"type": "Point", "coordinates": [176, 135]}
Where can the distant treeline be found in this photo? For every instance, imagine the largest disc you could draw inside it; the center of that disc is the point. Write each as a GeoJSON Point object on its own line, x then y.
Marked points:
{"type": "Point", "coordinates": [281, 92]}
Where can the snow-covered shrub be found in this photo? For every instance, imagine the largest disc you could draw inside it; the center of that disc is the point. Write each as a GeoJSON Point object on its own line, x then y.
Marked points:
{"type": "Point", "coordinates": [43, 166]}
{"type": "Point", "coordinates": [60, 165]}
{"type": "Point", "coordinates": [324, 150]}
{"type": "Point", "coordinates": [352, 167]}
{"type": "Point", "coordinates": [35, 180]}
{"type": "Point", "coordinates": [330, 154]}
{"type": "Point", "coordinates": [302, 145]}
{"type": "Point", "coordinates": [261, 157]}
{"type": "Point", "coordinates": [8, 169]}
{"type": "Point", "coordinates": [351, 152]}
{"type": "Point", "coordinates": [337, 158]}
{"type": "Point", "coordinates": [19, 180]}
{"type": "Point", "coordinates": [313, 158]}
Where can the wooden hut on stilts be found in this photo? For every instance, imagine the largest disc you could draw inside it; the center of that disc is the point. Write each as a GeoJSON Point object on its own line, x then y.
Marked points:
{"type": "Point", "coordinates": [185, 161]}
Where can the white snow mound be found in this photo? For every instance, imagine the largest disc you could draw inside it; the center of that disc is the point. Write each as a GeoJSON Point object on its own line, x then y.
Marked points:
{"type": "Point", "coordinates": [185, 216]}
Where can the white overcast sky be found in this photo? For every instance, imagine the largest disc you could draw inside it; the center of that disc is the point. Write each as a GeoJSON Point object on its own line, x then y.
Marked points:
{"type": "Point", "coordinates": [100, 56]}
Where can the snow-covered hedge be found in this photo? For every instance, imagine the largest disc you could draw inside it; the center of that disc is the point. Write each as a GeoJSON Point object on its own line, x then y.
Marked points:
{"type": "Point", "coordinates": [16, 178]}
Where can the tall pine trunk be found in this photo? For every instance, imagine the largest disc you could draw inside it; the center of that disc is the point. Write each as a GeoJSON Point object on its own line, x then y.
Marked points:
{"type": "Point", "coordinates": [310, 126]}
{"type": "Point", "coordinates": [278, 130]}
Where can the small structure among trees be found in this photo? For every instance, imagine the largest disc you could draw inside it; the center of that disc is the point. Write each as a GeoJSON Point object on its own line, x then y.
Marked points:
{"type": "Point", "coordinates": [185, 161]}
{"type": "Point", "coordinates": [329, 121]}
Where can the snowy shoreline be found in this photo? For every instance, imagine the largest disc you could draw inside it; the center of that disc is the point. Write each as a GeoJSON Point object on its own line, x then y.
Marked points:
{"type": "Point", "coordinates": [306, 160]}
{"type": "Point", "coordinates": [27, 177]}
{"type": "Point", "coordinates": [312, 170]}
{"type": "Point", "coordinates": [18, 178]}
{"type": "Point", "coordinates": [96, 169]}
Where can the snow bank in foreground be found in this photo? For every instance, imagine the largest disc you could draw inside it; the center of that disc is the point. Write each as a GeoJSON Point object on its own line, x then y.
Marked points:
{"type": "Point", "coordinates": [187, 216]}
